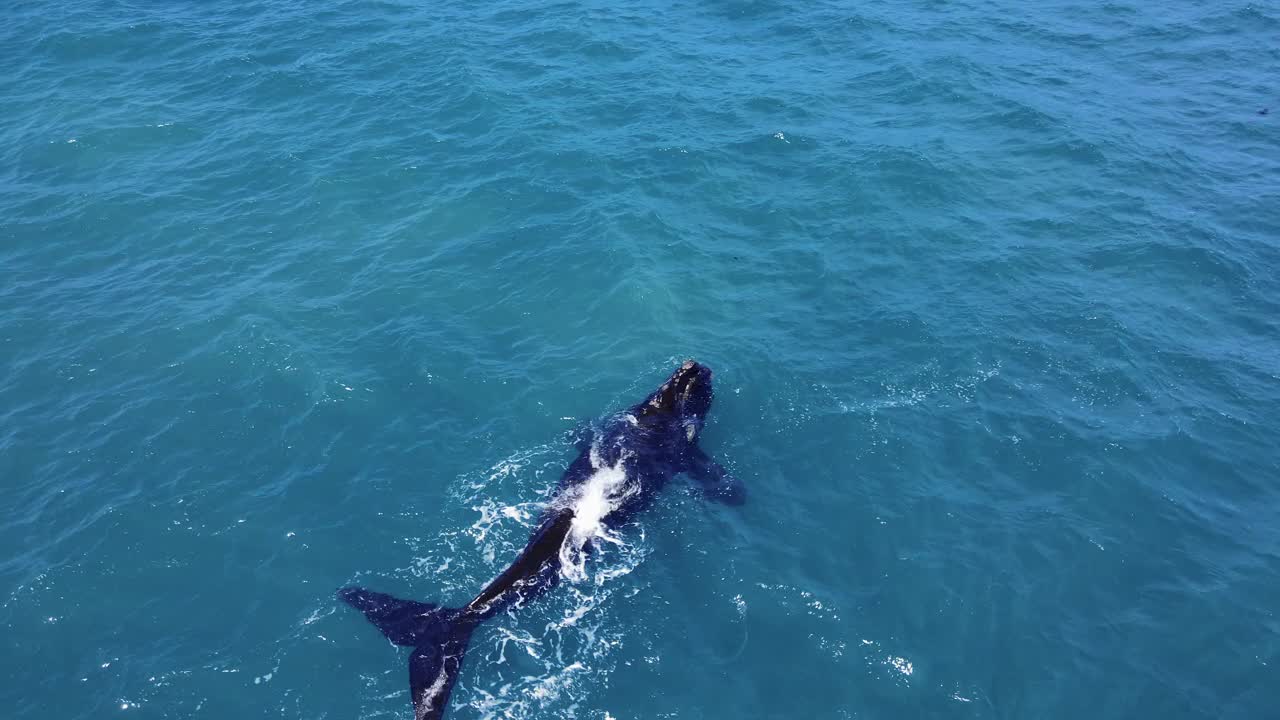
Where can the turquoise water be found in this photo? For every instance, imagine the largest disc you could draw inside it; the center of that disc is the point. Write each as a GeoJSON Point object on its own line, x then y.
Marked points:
{"type": "Point", "coordinates": [300, 295]}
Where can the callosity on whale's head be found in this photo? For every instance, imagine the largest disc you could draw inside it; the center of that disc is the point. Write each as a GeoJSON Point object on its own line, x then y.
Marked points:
{"type": "Point", "coordinates": [685, 396]}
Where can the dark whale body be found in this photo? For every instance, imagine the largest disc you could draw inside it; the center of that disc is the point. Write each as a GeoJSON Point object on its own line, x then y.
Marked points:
{"type": "Point", "coordinates": [620, 469]}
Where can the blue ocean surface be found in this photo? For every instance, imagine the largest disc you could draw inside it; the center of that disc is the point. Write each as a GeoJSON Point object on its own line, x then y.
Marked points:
{"type": "Point", "coordinates": [300, 295]}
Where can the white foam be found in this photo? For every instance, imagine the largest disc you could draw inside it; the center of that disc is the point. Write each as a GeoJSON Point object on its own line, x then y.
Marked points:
{"type": "Point", "coordinates": [901, 664]}
{"type": "Point", "coordinates": [522, 639]}
{"type": "Point", "coordinates": [549, 688]}
{"type": "Point", "coordinates": [592, 501]}
{"type": "Point", "coordinates": [317, 615]}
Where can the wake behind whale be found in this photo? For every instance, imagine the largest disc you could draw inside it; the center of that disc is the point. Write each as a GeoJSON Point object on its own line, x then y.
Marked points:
{"type": "Point", "coordinates": [621, 467]}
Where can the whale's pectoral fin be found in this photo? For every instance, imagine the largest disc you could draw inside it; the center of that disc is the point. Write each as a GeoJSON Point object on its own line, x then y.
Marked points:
{"type": "Point", "coordinates": [716, 482]}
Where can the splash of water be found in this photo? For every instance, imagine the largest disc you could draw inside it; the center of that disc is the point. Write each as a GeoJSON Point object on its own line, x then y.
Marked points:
{"type": "Point", "coordinates": [592, 501]}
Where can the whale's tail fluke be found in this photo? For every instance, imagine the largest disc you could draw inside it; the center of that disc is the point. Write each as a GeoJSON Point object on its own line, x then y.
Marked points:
{"type": "Point", "coordinates": [439, 636]}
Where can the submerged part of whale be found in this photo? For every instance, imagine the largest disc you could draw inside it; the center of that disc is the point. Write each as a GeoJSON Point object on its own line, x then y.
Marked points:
{"type": "Point", "coordinates": [622, 465]}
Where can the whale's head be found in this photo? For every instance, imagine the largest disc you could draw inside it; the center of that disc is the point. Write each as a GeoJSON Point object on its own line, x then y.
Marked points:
{"type": "Point", "coordinates": [685, 397]}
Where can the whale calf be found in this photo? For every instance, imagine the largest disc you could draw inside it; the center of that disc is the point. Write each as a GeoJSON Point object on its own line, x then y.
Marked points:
{"type": "Point", "coordinates": [622, 465]}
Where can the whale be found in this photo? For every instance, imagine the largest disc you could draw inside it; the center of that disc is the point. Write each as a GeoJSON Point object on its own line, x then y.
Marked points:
{"type": "Point", "coordinates": [624, 461]}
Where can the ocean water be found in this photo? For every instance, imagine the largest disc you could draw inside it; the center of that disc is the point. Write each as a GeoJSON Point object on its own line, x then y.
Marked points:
{"type": "Point", "coordinates": [296, 295]}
